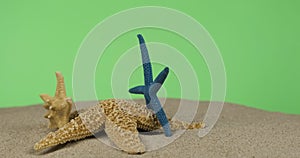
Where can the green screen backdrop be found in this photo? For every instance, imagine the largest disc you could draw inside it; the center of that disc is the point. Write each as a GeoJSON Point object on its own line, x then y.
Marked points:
{"type": "Point", "coordinates": [258, 40]}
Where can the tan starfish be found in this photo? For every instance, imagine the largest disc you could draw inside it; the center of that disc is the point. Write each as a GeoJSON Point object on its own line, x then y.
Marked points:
{"type": "Point", "coordinates": [119, 118]}
{"type": "Point", "coordinates": [59, 107]}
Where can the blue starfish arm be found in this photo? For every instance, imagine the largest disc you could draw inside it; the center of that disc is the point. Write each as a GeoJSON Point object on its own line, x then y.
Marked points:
{"type": "Point", "coordinates": [146, 61]}
{"type": "Point", "coordinates": [157, 108]}
{"type": "Point", "coordinates": [138, 90]}
{"type": "Point", "coordinates": [161, 77]}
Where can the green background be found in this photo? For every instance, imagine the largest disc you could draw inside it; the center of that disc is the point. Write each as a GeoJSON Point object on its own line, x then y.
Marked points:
{"type": "Point", "coordinates": [258, 40]}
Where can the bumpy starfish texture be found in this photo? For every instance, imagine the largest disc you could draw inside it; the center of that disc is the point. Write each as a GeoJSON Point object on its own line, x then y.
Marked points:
{"type": "Point", "coordinates": [59, 107]}
{"type": "Point", "coordinates": [150, 89]}
{"type": "Point", "coordinates": [121, 119]}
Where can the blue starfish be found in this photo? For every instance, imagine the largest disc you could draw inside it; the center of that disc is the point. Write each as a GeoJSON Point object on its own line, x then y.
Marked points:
{"type": "Point", "coordinates": [151, 87]}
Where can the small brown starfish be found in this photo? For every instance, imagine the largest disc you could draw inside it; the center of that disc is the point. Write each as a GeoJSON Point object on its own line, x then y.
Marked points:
{"type": "Point", "coordinates": [59, 107]}
{"type": "Point", "coordinates": [121, 119]}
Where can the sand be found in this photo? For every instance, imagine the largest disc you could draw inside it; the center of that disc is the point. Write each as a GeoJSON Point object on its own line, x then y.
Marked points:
{"type": "Point", "coordinates": [240, 132]}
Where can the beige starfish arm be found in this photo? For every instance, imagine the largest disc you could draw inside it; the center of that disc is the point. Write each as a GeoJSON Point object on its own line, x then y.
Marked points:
{"type": "Point", "coordinates": [47, 99]}
{"type": "Point", "coordinates": [73, 130]}
{"type": "Point", "coordinates": [152, 123]}
{"type": "Point", "coordinates": [67, 106]}
{"type": "Point", "coordinates": [78, 128]}
{"type": "Point", "coordinates": [125, 137]}
{"type": "Point", "coordinates": [146, 120]}
{"type": "Point", "coordinates": [60, 86]}
{"type": "Point", "coordinates": [177, 125]}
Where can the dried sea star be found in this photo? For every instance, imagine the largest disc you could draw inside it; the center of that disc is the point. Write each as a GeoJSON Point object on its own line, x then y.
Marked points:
{"type": "Point", "coordinates": [151, 87]}
{"type": "Point", "coordinates": [59, 107]}
{"type": "Point", "coordinates": [121, 119]}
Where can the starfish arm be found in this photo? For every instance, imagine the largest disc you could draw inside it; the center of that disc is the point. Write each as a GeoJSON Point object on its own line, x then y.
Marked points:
{"type": "Point", "coordinates": [125, 135]}
{"type": "Point", "coordinates": [146, 61]}
{"type": "Point", "coordinates": [69, 101]}
{"type": "Point", "coordinates": [121, 124]}
{"type": "Point", "coordinates": [161, 115]}
{"type": "Point", "coordinates": [152, 123]}
{"type": "Point", "coordinates": [138, 90]}
{"type": "Point", "coordinates": [68, 105]}
{"type": "Point", "coordinates": [73, 130]}
{"type": "Point", "coordinates": [47, 99]}
{"type": "Point", "coordinates": [60, 86]}
{"type": "Point", "coordinates": [142, 90]}
{"type": "Point", "coordinates": [179, 125]}
{"type": "Point", "coordinates": [48, 115]}
{"type": "Point", "coordinates": [146, 120]}
{"type": "Point", "coordinates": [161, 77]}
{"type": "Point", "coordinates": [78, 128]}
